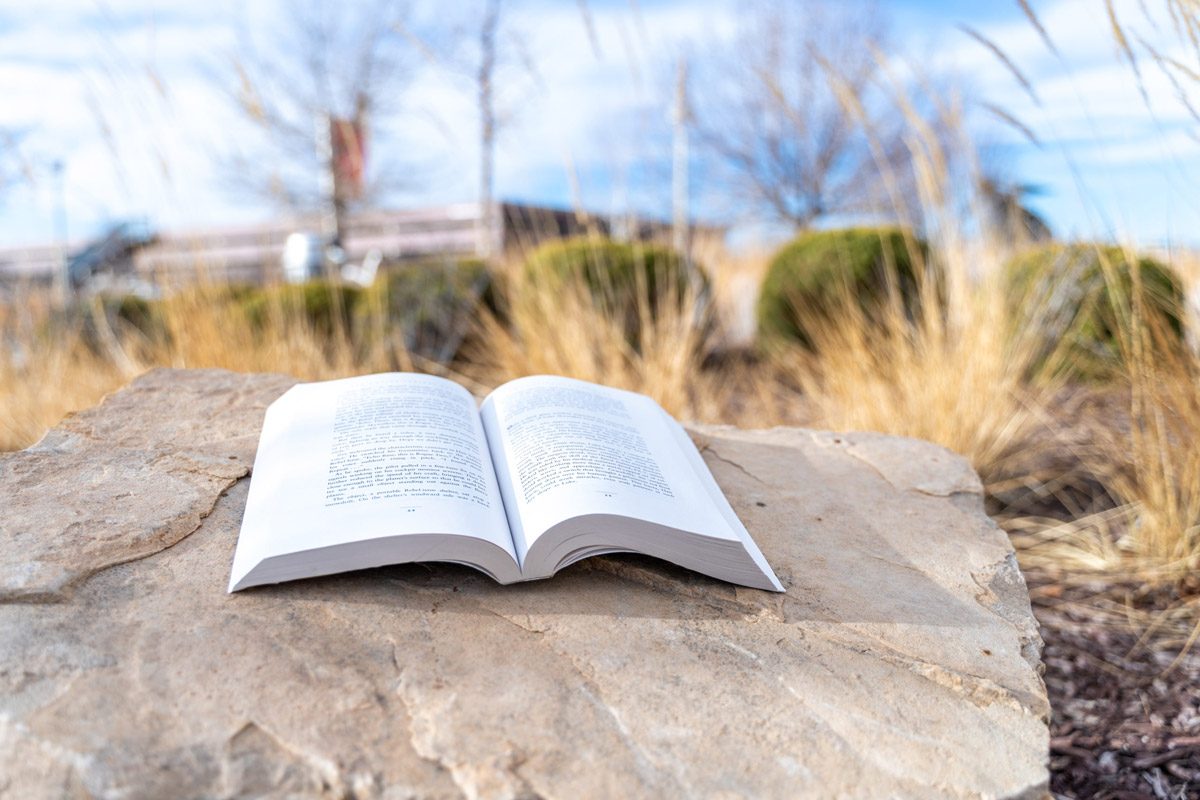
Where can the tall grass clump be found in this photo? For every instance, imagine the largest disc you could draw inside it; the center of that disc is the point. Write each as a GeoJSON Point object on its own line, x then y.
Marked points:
{"type": "Point", "coordinates": [961, 384]}
{"type": "Point", "coordinates": [1080, 289]}
{"type": "Point", "coordinates": [283, 331]}
{"type": "Point", "coordinates": [642, 335]}
{"type": "Point", "coordinates": [1150, 537]}
{"type": "Point", "coordinates": [1151, 534]}
{"type": "Point", "coordinates": [943, 360]}
{"type": "Point", "coordinates": [1163, 444]}
{"type": "Point", "coordinates": [57, 360]}
{"type": "Point", "coordinates": [47, 369]}
{"type": "Point", "coordinates": [1136, 559]}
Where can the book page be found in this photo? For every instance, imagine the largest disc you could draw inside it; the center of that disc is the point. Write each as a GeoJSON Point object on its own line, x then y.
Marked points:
{"type": "Point", "coordinates": [565, 448]}
{"type": "Point", "coordinates": [368, 457]}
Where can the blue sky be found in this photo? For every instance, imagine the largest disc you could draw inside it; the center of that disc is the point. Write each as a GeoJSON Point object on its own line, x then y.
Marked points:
{"type": "Point", "coordinates": [121, 92]}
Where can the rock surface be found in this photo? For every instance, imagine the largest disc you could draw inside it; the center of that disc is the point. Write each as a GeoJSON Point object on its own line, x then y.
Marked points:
{"type": "Point", "coordinates": [902, 662]}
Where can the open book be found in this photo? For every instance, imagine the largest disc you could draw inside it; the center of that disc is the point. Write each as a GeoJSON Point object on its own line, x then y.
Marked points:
{"type": "Point", "coordinates": [398, 467]}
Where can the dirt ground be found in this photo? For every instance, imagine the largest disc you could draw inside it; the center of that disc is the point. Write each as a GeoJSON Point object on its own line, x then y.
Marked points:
{"type": "Point", "coordinates": [1125, 719]}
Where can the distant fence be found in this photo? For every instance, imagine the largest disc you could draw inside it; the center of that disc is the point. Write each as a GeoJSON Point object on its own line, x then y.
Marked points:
{"type": "Point", "coordinates": [36, 264]}
{"type": "Point", "coordinates": [252, 253]}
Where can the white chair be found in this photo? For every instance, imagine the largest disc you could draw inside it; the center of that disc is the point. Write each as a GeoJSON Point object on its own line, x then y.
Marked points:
{"type": "Point", "coordinates": [363, 274]}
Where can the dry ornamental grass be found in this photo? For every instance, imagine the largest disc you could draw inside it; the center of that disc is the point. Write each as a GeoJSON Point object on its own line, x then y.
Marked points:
{"type": "Point", "coordinates": [1098, 482]}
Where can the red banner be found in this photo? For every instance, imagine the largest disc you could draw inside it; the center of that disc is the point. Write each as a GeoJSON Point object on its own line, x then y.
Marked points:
{"type": "Point", "coordinates": [349, 157]}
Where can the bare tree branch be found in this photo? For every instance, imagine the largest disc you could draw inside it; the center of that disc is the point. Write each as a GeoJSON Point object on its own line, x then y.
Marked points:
{"type": "Point", "coordinates": [772, 114]}
{"type": "Point", "coordinates": [326, 61]}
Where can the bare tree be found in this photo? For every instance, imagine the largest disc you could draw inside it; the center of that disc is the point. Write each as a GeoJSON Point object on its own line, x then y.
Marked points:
{"type": "Point", "coordinates": [482, 47]}
{"type": "Point", "coordinates": [487, 122]}
{"type": "Point", "coordinates": [329, 72]}
{"type": "Point", "coordinates": [797, 111]}
{"type": "Point", "coordinates": [680, 116]}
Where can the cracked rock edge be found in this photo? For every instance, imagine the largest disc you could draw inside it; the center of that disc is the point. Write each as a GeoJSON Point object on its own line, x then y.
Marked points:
{"type": "Point", "coordinates": [109, 516]}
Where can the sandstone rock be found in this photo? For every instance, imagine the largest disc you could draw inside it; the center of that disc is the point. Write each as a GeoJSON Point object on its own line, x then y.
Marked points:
{"type": "Point", "coordinates": [902, 662]}
{"type": "Point", "coordinates": [127, 479]}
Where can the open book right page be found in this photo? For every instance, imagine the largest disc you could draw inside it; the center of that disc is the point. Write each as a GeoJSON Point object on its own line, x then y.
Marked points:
{"type": "Point", "coordinates": [569, 450]}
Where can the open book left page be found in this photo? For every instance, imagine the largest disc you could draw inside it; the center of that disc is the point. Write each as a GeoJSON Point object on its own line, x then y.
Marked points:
{"type": "Point", "coordinates": [369, 471]}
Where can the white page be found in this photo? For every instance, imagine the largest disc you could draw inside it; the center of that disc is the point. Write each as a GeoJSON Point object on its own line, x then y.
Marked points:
{"type": "Point", "coordinates": [369, 457]}
{"type": "Point", "coordinates": [564, 448]}
{"type": "Point", "coordinates": [720, 501]}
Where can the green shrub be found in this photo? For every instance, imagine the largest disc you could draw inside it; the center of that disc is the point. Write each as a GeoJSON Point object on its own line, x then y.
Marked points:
{"type": "Point", "coordinates": [814, 273]}
{"type": "Point", "coordinates": [620, 276]}
{"type": "Point", "coordinates": [325, 306]}
{"type": "Point", "coordinates": [430, 304]}
{"type": "Point", "coordinates": [1075, 296]}
{"type": "Point", "coordinates": [425, 286]}
{"type": "Point", "coordinates": [104, 317]}
{"type": "Point", "coordinates": [138, 313]}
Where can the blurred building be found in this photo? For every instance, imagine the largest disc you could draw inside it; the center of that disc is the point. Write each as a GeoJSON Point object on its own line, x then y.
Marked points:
{"type": "Point", "coordinates": [132, 257]}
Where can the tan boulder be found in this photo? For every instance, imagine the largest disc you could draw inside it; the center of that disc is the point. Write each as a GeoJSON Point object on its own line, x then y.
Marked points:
{"type": "Point", "coordinates": [901, 662]}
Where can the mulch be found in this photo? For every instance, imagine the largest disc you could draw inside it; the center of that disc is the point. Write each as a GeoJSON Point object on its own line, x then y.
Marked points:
{"type": "Point", "coordinates": [1125, 720]}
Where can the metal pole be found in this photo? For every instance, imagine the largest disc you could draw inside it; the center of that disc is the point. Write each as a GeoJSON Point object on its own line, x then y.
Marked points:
{"type": "Point", "coordinates": [63, 276]}
{"type": "Point", "coordinates": [679, 164]}
{"type": "Point", "coordinates": [486, 234]}
{"type": "Point", "coordinates": [327, 182]}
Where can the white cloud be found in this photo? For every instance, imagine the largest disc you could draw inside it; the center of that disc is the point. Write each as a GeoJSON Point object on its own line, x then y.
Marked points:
{"type": "Point", "coordinates": [1118, 153]}
{"type": "Point", "coordinates": [70, 70]}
